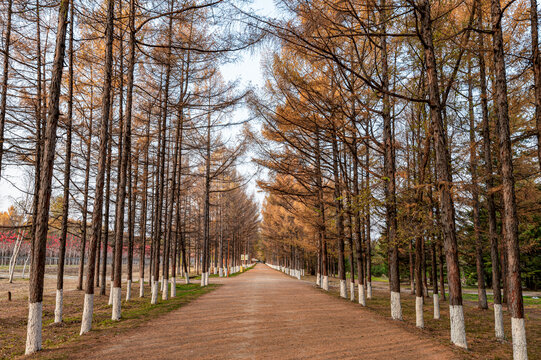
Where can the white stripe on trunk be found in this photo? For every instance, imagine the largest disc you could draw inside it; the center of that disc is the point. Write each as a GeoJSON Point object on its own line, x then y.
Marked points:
{"type": "Point", "coordinates": [221, 272]}
{"type": "Point", "coordinates": [173, 287]}
{"type": "Point", "coordinates": [165, 289]}
{"type": "Point", "coordinates": [154, 291]}
{"type": "Point", "coordinates": [362, 297]}
{"type": "Point", "coordinates": [419, 319]}
{"type": "Point", "coordinates": [88, 310]}
{"type": "Point", "coordinates": [59, 307]}
{"type": "Point", "coordinates": [518, 332]}
{"type": "Point", "coordinates": [203, 279]}
{"type": "Point", "coordinates": [111, 294]}
{"type": "Point", "coordinates": [436, 298]}
{"type": "Point", "coordinates": [458, 328]}
{"type": "Point", "coordinates": [343, 289]}
{"type": "Point", "coordinates": [352, 291]}
{"type": "Point", "coordinates": [325, 283]}
{"type": "Point", "coordinates": [318, 279]}
{"type": "Point", "coordinates": [141, 287]}
{"type": "Point", "coordinates": [368, 290]}
{"type": "Point", "coordinates": [498, 322]}
{"type": "Point", "coordinates": [128, 291]}
{"type": "Point", "coordinates": [33, 330]}
{"type": "Point", "coordinates": [117, 300]}
{"type": "Point", "coordinates": [396, 307]}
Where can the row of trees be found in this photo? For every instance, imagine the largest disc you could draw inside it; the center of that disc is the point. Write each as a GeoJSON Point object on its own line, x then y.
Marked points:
{"type": "Point", "coordinates": [120, 119]}
{"type": "Point", "coordinates": [406, 128]}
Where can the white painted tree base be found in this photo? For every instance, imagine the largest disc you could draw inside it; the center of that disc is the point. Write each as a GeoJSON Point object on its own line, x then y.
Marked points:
{"type": "Point", "coordinates": [128, 291]}
{"type": "Point", "coordinates": [173, 287]}
{"type": "Point", "coordinates": [202, 279]}
{"type": "Point", "coordinates": [215, 271]}
{"type": "Point", "coordinates": [343, 289]}
{"type": "Point", "coordinates": [88, 310]}
{"type": "Point", "coordinates": [325, 283]}
{"type": "Point", "coordinates": [368, 290]}
{"type": "Point", "coordinates": [362, 296]}
{"type": "Point", "coordinates": [396, 307]}
{"type": "Point", "coordinates": [165, 289]}
{"type": "Point", "coordinates": [436, 299]}
{"type": "Point", "coordinates": [59, 306]}
{"type": "Point", "coordinates": [117, 300]}
{"type": "Point", "coordinates": [318, 279]}
{"type": "Point", "coordinates": [187, 278]}
{"type": "Point", "coordinates": [518, 332]}
{"type": "Point", "coordinates": [458, 328]}
{"type": "Point", "coordinates": [154, 293]}
{"type": "Point", "coordinates": [221, 272]}
{"type": "Point", "coordinates": [111, 295]}
{"type": "Point", "coordinates": [351, 291]}
{"type": "Point", "coordinates": [33, 330]}
{"type": "Point", "coordinates": [419, 319]}
{"type": "Point", "coordinates": [141, 287]}
{"type": "Point", "coordinates": [498, 322]}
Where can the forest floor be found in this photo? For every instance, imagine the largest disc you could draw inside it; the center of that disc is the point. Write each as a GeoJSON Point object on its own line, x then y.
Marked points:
{"type": "Point", "coordinates": [479, 323]}
{"type": "Point", "coordinates": [264, 314]}
{"type": "Point", "coordinates": [13, 315]}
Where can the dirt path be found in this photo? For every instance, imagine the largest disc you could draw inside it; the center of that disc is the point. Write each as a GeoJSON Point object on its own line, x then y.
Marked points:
{"type": "Point", "coordinates": [265, 314]}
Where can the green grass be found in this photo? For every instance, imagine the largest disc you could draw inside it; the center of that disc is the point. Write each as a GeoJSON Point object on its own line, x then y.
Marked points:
{"type": "Point", "coordinates": [528, 300]}
{"type": "Point", "coordinates": [374, 278]}
{"type": "Point", "coordinates": [184, 292]}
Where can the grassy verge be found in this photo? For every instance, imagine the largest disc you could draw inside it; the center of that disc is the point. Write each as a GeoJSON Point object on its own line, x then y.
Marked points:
{"type": "Point", "coordinates": [60, 340]}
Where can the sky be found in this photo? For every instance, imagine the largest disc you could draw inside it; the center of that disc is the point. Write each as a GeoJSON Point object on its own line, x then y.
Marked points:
{"type": "Point", "coordinates": [247, 69]}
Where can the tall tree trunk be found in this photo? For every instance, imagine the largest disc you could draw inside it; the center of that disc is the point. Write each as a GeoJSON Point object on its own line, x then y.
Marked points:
{"type": "Point", "coordinates": [435, 279]}
{"type": "Point", "coordinates": [59, 305]}
{"type": "Point", "coordinates": [39, 124]}
{"type": "Point", "coordinates": [85, 201]}
{"type": "Point", "coordinates": [368, 229]}
{"type": "Point", "coordinates": [389, 179]}
{"type": "Point", "coordinates": [536, 65]}
{"type": "Point", "coordinates": [35, 298]}
{"type": "Point", "coordinates": [86, 323]}
{"type": "Point", "coordinates": [206, 223]}
{"type": "Point", "coordinates": [126, 144]}
{"type": "Point", "coordinates": [107, 204]}
{"type": "Point", "coordinates": [132, 200]}
{"type": "Point", "coordinates": [5, 76]}
{"type": "Point", "coordinates": [458, 330]}
{"type": "Point", "coordinates": [143, 219]}
{"type": "Point", "coordinates": [509, 216]}
{"type": "Point", "coordinates": [339, 215]}
{"type": "Point", "coordinates": [357, 215]}
{"type": "Point", "coordinates": [419, 283]}
{"type": "Point", "coordinates": [489, 183]}
{"type": "Point", "coordinates": [481, 291]}
{"type": "Point", "coordinates": [321, 208]}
